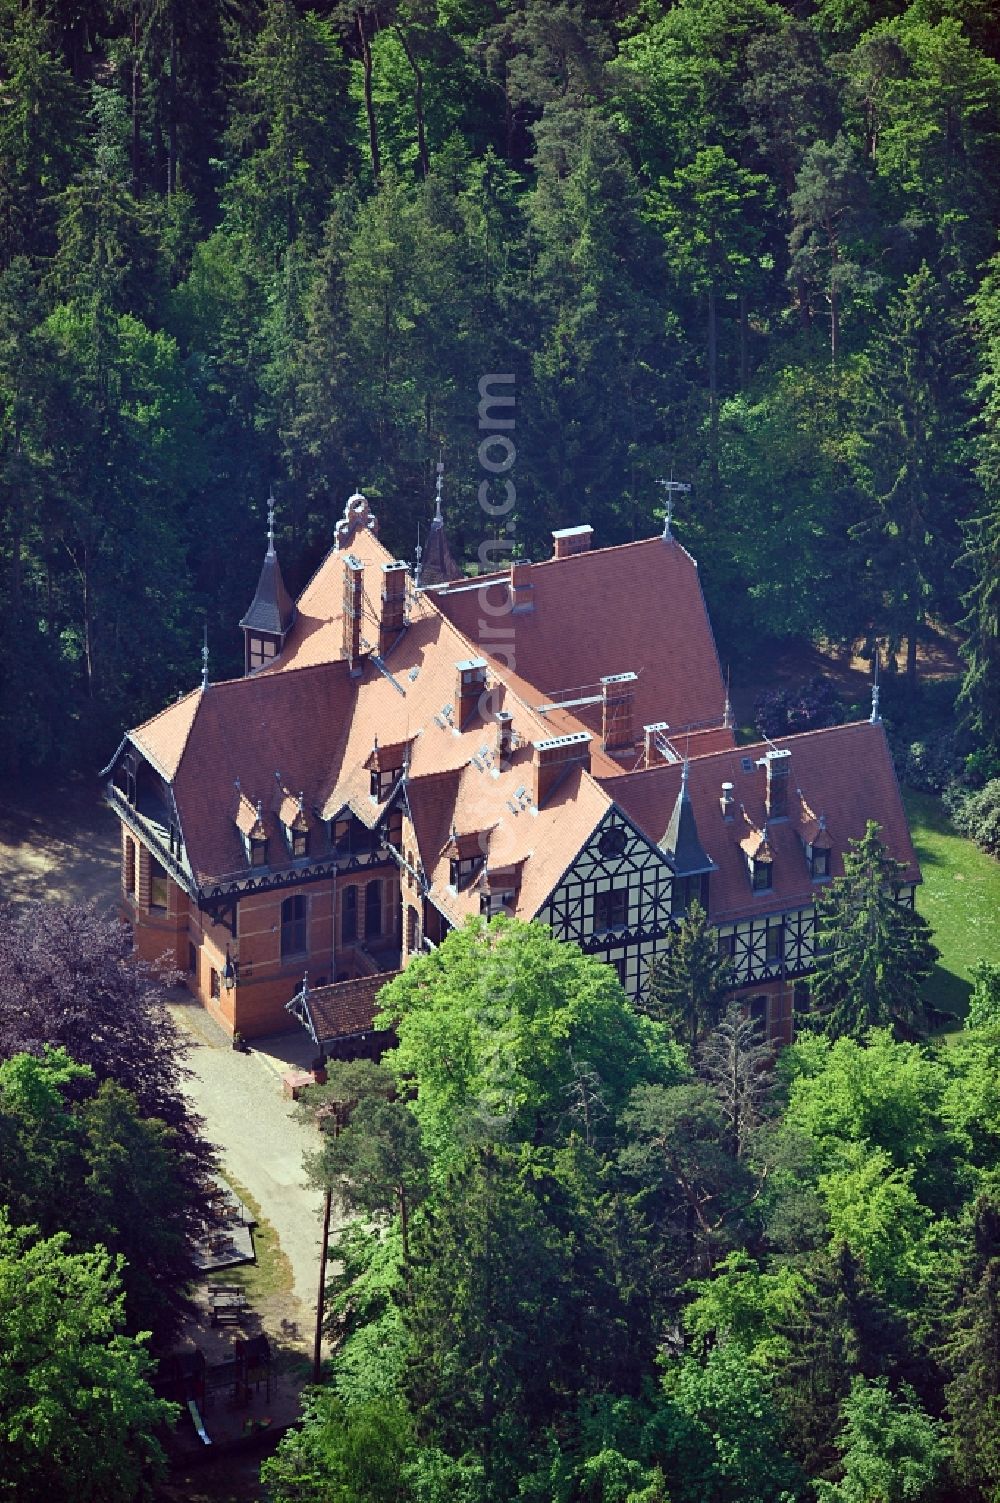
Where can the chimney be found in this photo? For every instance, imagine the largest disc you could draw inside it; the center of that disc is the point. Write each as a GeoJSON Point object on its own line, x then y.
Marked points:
{"type": "Point", "coordinates": [777, 765]}
{"type": "Point", "coordinates": [505, 736]}
{"type": "Point", "coordinates": [554, 758]}
{"type": "Point", "coordinates": [470, 683]}
{"type": "Point", "coordinates": [727, 803]}
{"type": "Point", "coordinates": [354, 600]}
{"type": "Point", "coordinates": [617, 699]}
{"type": "Point", "coordinates": [392, 617]}
{"type": "Point", "coordinates": [569, 540]}
{"type": "Point", "coordinates": [521, 590]}
{"type": "Point", "coordinates": [652, 735]}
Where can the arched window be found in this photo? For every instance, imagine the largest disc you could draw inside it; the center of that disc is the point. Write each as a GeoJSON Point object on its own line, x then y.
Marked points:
{"type": "Point", "coordinates": [411, 930]}
{"type": "Point", "coordinates": [349, 915]}
{"type": "Point", "coordinates": [373, 909]}
{"type": "Point", "coordinates": [293, 927]}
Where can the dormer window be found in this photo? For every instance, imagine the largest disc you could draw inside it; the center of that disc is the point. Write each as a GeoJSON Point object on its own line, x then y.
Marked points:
{"type": "Point", "coordinates": [299, 842]}
{"type": "Point", "coordinates": [384, 780]}
{"type": "Point", "coordinates": [500, 901]}
{"type": "Point", "coordinates": [258, 851]}
{"type": "Point", "coordinates": [462, 869]}
{"type": "Point", "coordinates": [761, 874]}
{"type": "Point", "coordinates": [819, 862]}
{"type": "Point", "coordinates": [260, 652]}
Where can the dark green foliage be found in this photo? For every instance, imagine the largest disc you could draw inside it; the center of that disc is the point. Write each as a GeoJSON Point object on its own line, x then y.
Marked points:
{"type": "Point", "coordinates": [687, 987]}
{"type": "Point", "coordinates": [977, 815]}
{"type": "Point", "coordinates": [874, 950]}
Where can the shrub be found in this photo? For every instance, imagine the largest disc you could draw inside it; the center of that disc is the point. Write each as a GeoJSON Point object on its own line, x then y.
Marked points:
{"type": "Point", "coordinates": [931, 765]}
{"type": "Point", "coordinates": [978, 816]}
{"type": "Point", "coordinates": [984, 1004]}
{"type": "Point", "coordinates": [807, 707]}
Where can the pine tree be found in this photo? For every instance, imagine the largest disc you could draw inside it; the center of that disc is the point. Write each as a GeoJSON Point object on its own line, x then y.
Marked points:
{"type": "Point", "coordinates": [688, 985]}
{"type": "Point", "coordinates": [972, 1356]}
{"type": "Point", "coordinates": [873, 952]}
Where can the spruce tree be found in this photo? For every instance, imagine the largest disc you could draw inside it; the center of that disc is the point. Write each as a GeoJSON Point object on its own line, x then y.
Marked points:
{"type": "Point", "coordinates": [873, 952]}
{"type": "Point", "coordinates": [689, 984]}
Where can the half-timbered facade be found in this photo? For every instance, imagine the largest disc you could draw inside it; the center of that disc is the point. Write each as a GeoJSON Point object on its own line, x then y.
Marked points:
{"type": "Point", "coordinates": [552, 741]}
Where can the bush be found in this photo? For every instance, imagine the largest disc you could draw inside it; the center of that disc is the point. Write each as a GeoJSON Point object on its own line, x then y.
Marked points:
{"type": "Point", "coordinates": [808, 707]}
{"type": "Point", "coordinates": [978, 816]}
{"type": "Point", "coordinates": [930, 765]}
{"type": "Point", "coordinates": [984, 1004]}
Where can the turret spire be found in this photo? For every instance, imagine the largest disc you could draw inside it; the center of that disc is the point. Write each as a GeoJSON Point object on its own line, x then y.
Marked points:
{"type": "Point", "coordinates": [875, 716]}
{"type": "Point", "coordinates": [269, 619]}
{"type": "Point", "coordinates": [204, 660]}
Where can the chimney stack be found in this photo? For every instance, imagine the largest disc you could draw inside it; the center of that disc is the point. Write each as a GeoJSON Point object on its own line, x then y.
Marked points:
{"type": "Point", "coordinates": [651, 736]}
{"type": "Point", "coordinates": [354, 602]}
{"type": "Point", "coordinates": [505, 736]}
{"type": "Point", "coordinates": [570, 540]}
{"type": "Point", "coordinates": [468, 689]}
{"type": "Point", "coordinates": [617, 699]}
{"type": "Point", "coordinates": [554, 758]}
{"type": "Point", "coordinates": [777, 765]}
{"type": "Point", "coordinates": [521, 589]}
{"type": "Point", "coordinates": [392, 618]}
{"type": "Point", "coordinates": [727, 803]}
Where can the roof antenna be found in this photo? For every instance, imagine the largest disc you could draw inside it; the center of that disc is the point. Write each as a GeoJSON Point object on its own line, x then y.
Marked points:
{"type": "Point", "coordinates": [204, 660]}
{"type": "Point", "coordinates": [875, 716]}
{"type": "Point", "coordinates": [270, 523]}
{"type": "Point", "coordinates": [438, 515]}
{"type": "Point", "coordinates": [672, 488]}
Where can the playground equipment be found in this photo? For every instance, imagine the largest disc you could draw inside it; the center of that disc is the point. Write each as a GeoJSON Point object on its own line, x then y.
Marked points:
{"type": "Point", "coordinates": [199, 1424]}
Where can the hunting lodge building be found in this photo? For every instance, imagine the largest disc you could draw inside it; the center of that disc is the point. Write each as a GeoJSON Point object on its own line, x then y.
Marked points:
{"type": "Point", "coordinates": [409, 747]}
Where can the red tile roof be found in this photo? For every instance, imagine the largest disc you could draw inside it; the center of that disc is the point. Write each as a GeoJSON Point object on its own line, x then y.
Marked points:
{"type": "Point", "coordinates": [346, 1008]}
{"type": "Point", "coordinates": [845, 772]}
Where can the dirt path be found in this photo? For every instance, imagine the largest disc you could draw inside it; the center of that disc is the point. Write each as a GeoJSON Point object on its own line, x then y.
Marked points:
{"type": "Point", "coordinates": [57, 842]}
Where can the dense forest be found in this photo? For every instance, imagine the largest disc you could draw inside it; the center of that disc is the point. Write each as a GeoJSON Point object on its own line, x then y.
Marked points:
{"type": "Point", "coordinates": [595, 1261]}
{"type": "Point", "coordinates": [747, 243]}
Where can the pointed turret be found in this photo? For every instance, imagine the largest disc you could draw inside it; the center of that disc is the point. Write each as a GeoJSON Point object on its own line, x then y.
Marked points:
{"type": "Point", "coordinates": [438, 566]}
{"type": "Point", "coordinates": [681, 841]}
{"type": "Point", "coordinates": [269, 619]}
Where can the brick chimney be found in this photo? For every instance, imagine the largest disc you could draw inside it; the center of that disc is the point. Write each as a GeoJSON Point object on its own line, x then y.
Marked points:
{"type": "Point", "coordinates": [392, 616]}
{"type": "Point", "coordinates": [777, 766]}
{"type": "Point", "coordinates": [521, 588]}
{"type": "Point", "coordinates": [617, 700]}
{"type": "Point", "coordinates": [505, 735]}
{"type": "Point", "coordinates": [354, 603]}
{"type": "Point", "coordinates": [554, 758]}
{"type": "Point", "coordinates": [651, 734]}
{"type": "Point", "coordinates": [569, 540]}
{"type": "Point", "coordinates": [469, 685]}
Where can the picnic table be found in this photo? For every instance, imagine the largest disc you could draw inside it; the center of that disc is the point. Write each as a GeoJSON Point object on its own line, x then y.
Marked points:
{"type": "Point", "coordinates": [227, 1303]}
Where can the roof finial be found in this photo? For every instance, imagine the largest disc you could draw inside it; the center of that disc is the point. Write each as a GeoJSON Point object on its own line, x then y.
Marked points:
{"type": "Point", "coordinates": [685, 769]}
{"type": "Point", "coordinates": [875, 716]}
{"type": "Point", "coordinates": [727, 709]}
{"type": "Point", "coordinates": [438, 515]}
{"type": "Point", "coordinates": [672, 487]}
{"type": "Point", "coordinates": [204, 660]}
{"type": "Point", "coordinates": [270, 522]}
{"type": "Point", "coordinates": [418, 554]}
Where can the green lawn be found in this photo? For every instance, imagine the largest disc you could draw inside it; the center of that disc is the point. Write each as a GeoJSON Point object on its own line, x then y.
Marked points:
{"type": "Point", "coordinates": [960, 899]}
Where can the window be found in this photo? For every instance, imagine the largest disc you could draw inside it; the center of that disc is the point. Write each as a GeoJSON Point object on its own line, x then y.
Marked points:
{"type": "Point", "coordinates": [382, 783]}
{"type": "Point", "coordinates": [819, 863]}
{"type": "Point", "coordinates": [214, 983]}
{"type": "Point", "coordinates": [159, 887]}
{"type": "Point", "coordinates": [612, 842]}
{"type": "Point", "coordinates": [258, 852]}
{"type": "Point", "coordinates": [349, 915]}
{"type": "Point", "coordinates": [261, 651]}
{"type": "Point", "coordinates": [342, 837]}
{"type": "Point", "coordinates": [760, 876]}
{"type": "Point", "coordinates": [373, 909]}
{"type": "Point", "coordinates": [498, 901]}
{"type": "Point", "coordinates": [463, 869]}
{"type": "Point", "coordinates": [775, 944]}
{"type": "Point", "coordinates": [412, 928]}
{"type": "Point", "coordinates": [758, 1012]}
{"type": "Point", "coordinates": [299, 843]}
{"type": "Point", "coordinates": [727, 945]}
{"type": "Point", "coordinates": [394, 829]}
{"type": "Point", "coordinates": [611, 909]}
{"type": "Point", "coordinates": [293, 926]}
{"type": "Point", "coordinates": [128, 866]}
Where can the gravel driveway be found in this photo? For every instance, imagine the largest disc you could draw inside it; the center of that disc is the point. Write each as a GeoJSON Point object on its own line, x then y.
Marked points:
{"type": "Point", "coordinates": [261, 1141]}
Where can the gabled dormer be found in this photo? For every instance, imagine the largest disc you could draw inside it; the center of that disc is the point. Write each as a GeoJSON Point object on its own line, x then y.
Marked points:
{"type": "Point", "coordinates": [386, 765]}
{"type": "Point", "coordinates": [759, 858]}
{"type": "Point", "coordinates": [253, 831]}
{"type": "Point", "coordinates": [818, 846]}
{"type": "Point", "coordinates": [466, 857]}
{"type": "Point", "coordinates": [269, 619]}
{"type": "Point", "coordinates": [294, 822]}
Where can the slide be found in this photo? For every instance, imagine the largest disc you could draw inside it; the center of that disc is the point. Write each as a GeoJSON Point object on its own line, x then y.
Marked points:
{"type": "Point", "coordinates": [199, 1424]}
